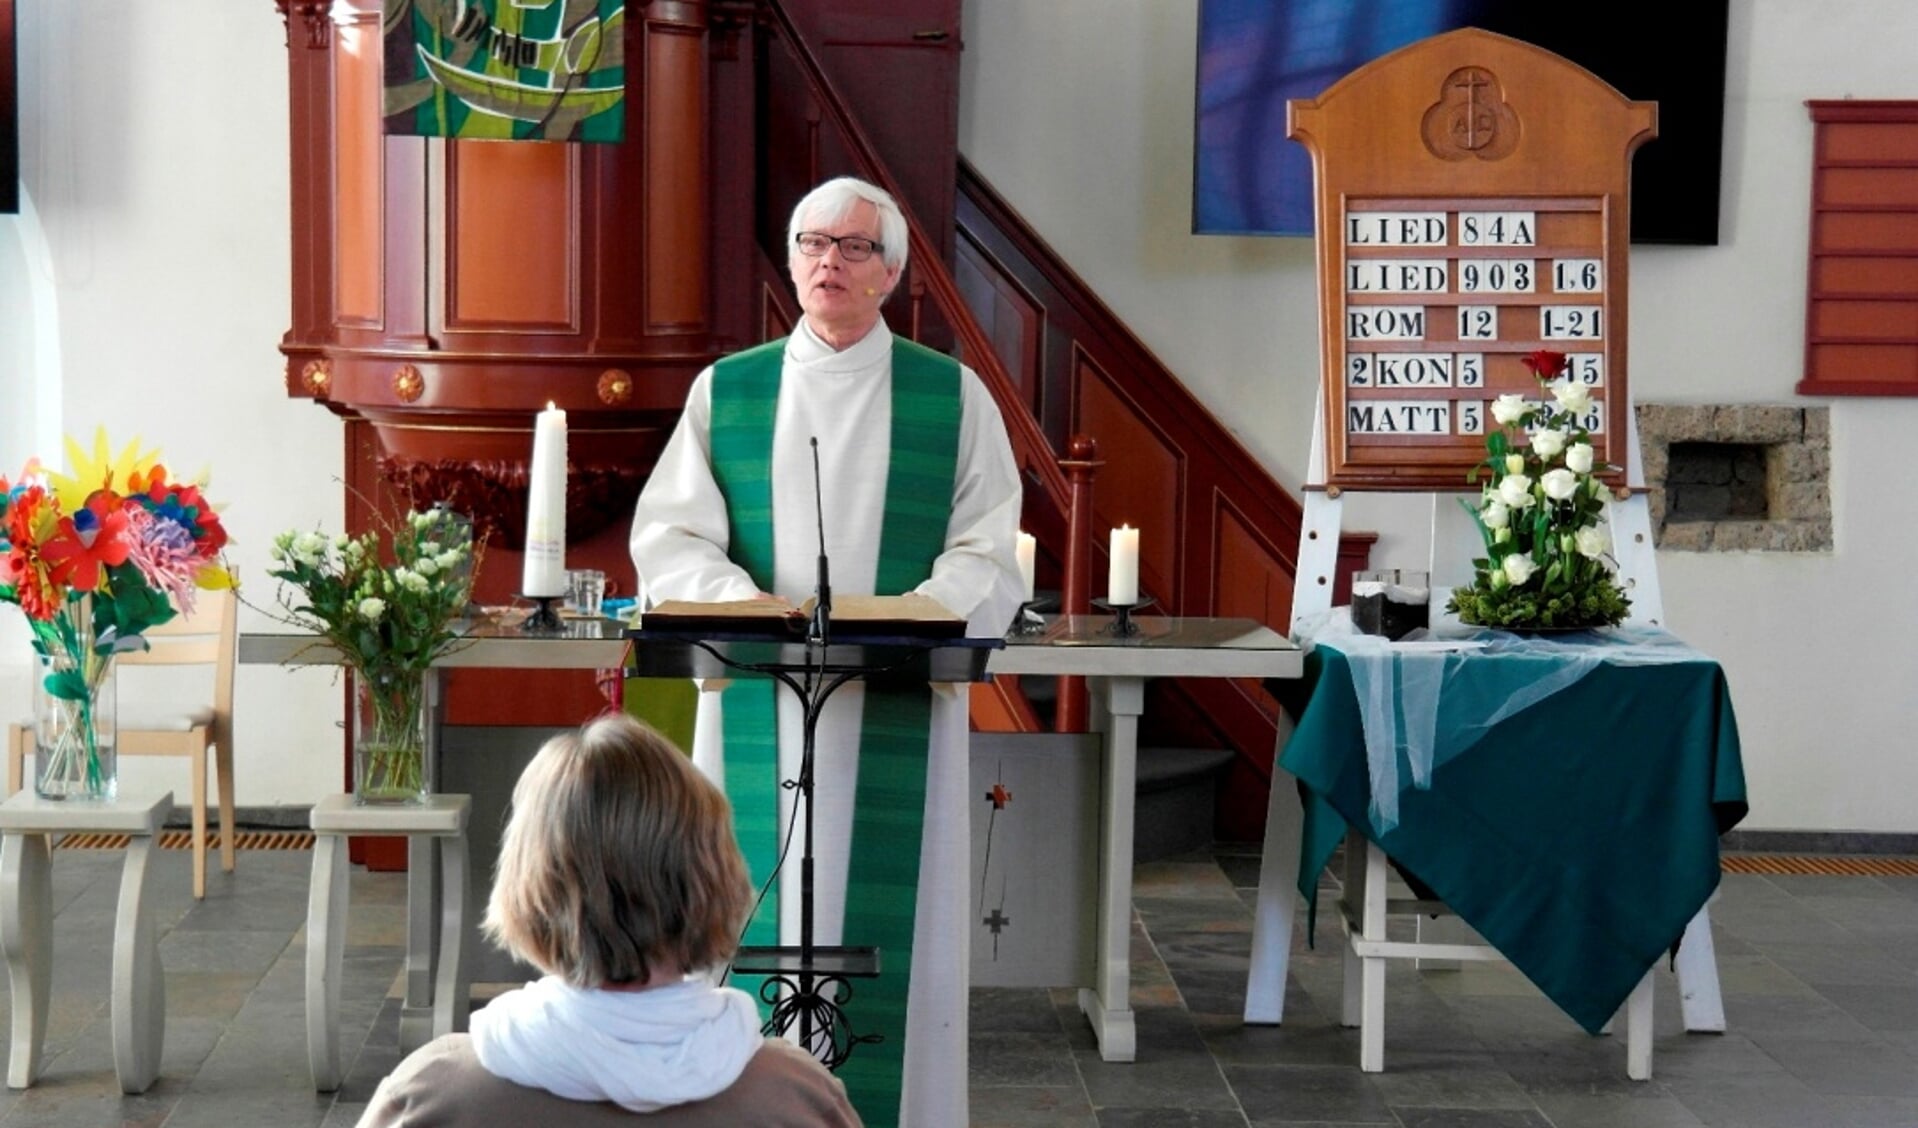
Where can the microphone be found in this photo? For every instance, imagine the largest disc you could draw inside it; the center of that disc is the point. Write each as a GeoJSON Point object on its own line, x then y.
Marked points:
{"type": "Point", "coordinates": [870, 291]}
{"type": "Point", "coordinates": [822, 595]}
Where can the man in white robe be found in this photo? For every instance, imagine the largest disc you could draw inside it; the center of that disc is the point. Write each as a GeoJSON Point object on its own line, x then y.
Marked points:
{"type": "Point", "coordinates": [847, 247]}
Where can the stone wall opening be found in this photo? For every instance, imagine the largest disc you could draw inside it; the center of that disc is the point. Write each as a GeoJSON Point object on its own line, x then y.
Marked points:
{"type": "Point", "coordinates": [1737, 477]}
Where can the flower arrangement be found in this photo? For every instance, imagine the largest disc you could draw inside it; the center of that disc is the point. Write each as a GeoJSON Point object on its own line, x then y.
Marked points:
{"type": "Point", "coordinates": [94, 560]}
{"type": "Point", "coordinates": [389, 622]}
{"type": "Point", "coordinates": [1541, 514]}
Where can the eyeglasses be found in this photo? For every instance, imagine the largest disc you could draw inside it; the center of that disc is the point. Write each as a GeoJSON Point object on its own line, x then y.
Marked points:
{"type": "Point", "coordinates": [852, 248]}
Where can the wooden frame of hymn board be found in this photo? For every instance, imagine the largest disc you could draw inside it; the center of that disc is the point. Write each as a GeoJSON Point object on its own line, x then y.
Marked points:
{"type": "Point", "coordinates": [1473, 206]}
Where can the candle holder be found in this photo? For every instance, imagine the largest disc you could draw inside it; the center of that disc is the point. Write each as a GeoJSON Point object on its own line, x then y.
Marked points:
{"type": "Point", "coordinates": [545, 616]}
{"type": "Point", "coordinates": [1122, 625]}
{"type": "Point", "coordinates": [1029, 621]}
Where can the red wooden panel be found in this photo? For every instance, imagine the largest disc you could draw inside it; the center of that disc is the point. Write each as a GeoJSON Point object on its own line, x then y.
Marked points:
{"type": "Point", "coordinates": [1866, 231]}
{"type": "Point", "coordinates": [512, 236]}
{"type": "Point", "coordinates": [356, 175]}
{"type": "Point", "coordinates": [1250, 580]}
{"type": "Point", "coordinates": [1844, 187]}
{"type": "Point", "coordinates": [1873, 364]}
{"type": "Point", "coordinates": [1886, 320]}
{"type": "Point", "coordinates": [676, 201]}
{"type": "Point", "coordinates": [1007, 313]}
{"type": "Point", "coordinates": [1867, 141]}
{"type": "Point", "coordinates": [1140, 484]}
{"type": "Point", "coordinates": [1838, 274]}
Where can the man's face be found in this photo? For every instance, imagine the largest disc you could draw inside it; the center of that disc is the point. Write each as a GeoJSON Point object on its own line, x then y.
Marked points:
{"type": "Point", "coordinates": [842, 298]}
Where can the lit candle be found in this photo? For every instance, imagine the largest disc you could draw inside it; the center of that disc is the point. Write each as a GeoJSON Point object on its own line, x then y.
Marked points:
{"type": "Point", "coordinates": [1122, 586]}
{"type": "Point", "coordinates": [544, 571]}
{"type": "Point", "coordinates": [1026, 550]}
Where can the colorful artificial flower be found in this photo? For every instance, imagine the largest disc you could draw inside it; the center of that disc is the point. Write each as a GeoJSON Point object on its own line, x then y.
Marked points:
{"type": "Point", "coordinates": [91, 540]}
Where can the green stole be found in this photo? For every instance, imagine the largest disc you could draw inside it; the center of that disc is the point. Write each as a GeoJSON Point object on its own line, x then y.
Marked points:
{"type": "Point", "coordinates": [890, 798]}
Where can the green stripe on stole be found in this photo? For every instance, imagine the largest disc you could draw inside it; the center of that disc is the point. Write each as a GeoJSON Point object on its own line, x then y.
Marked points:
{"type": "Point", "coordinates": [890, 797]}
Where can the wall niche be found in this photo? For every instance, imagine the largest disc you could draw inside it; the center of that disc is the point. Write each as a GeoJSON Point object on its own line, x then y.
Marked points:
{"type": "Point", "coordinates": [1737, 477]}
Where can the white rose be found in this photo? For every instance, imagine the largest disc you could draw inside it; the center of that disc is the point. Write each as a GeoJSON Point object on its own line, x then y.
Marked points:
{"type": "Point", "coordinates": [414, 582]}
{"type": "Point", "coordinates": [371, 608]}
{"type": "Point", "coordinates": [1518, 568]}
{"type": "Point", "coordinates": [1593, 542]}
{"type": "Point", "coordinates": [448, 560]}
{"type": "Point", "coordinates": [1516, 491]}
{"type": "Point", "coordinates": [1578, 458]}
{"type": "Point", "coordinates": [1572, 396]}
{"type": "Point", "coordinates": [1509, 408]}
{"type": "Point", "coordinates": [1496, 514]}
{"type": "Point", "coordinates": [1560, 484]}
{"type": "Point", "coordinates": [1515, 464]}
{"type": "Point", "coordinates": [1548, 444]}
{"type": "Point", "coordinates": [426, 566]}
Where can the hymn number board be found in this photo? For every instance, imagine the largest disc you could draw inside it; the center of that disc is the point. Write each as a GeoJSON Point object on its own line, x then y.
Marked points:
{"type": "Point", "coordinates": [1473, 199]}
{"type": "Point", "coordinates": [1443, 299]}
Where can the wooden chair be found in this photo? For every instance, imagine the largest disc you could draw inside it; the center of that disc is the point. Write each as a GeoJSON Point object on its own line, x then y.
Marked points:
{"type": "Point", "coordinates": [175, 728]}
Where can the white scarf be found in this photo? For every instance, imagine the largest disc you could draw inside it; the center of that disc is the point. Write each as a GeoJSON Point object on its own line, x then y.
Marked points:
{"type": "Point", "coordinates": [643, 1050]}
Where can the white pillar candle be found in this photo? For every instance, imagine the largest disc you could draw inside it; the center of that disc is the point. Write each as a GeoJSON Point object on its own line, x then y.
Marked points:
{"type": "Point", "coordinates": [1027, 549]}
{"type": "Point", "coordinates": [1122, 585]}
{"type": "Point", "coordinates": [544, 571]}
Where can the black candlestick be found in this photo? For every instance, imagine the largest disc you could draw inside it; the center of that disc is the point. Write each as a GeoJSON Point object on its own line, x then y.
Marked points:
{"type": "Point", "coordinates": [545, 616]}
{"type": "Point", "coordinates": [1122, 624]}
{"type": "Point", "coordinates": [1028, 621]}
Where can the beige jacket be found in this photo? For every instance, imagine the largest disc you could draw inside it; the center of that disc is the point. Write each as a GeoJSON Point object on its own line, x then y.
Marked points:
{"type": "Point", "coordinates": [443, 1085]}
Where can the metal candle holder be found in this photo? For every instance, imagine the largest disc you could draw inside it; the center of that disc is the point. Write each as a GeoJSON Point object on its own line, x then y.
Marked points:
{"type": "Point", "coordinates": [545, 616]}
{"type": "Point", "coordinates": [1122, 625]}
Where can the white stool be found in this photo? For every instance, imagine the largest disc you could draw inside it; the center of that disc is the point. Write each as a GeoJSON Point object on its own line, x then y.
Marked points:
{"type": "Point", "coordinates": [26, 929]}
{"type": "Point", "coordinates": [442, 817]}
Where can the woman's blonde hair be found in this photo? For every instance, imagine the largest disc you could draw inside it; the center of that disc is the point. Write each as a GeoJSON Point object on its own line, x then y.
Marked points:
{"type": "Point", "coordinates": [618, 860]}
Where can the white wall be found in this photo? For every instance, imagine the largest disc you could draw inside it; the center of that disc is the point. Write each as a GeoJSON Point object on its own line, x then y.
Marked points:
{"type": "Point", "coordinates": [1081, 112]}
{"type": "Point", "coordinates": [154, 153]}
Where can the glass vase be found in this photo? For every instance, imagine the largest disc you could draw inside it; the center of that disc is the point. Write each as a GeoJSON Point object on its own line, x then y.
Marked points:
{"type": "Point", "coordinates": [75, 729]}
{"type": "Point", "coordinates": [390, 744]}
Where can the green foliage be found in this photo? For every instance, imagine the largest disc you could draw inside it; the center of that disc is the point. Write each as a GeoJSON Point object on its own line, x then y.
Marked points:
{"type": "Point", "coordinates": [382, 618]}
{"type": "Point", "coordinates": [1600, 603]}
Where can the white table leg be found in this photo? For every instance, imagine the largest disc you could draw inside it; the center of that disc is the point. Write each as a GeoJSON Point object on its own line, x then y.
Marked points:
{"type": "Point", "coordinates": [1638, 1031]}
{"type": "Point", "coordinates": [139, 985]}
{"type": "Point", "coordinates": [1698, 992]}
{"type": "Point", "coordinates": [422, 923]}
{"type": "Point", "coordinates": [26, 936]}
{"type": "Point", "coordinates": [325, 947]}
{"type": "Point", "coordinates": [1108, 1004]}
{"type": "Point", "coordinates": [451, 997]}
{"type": "Point", "coordinates": [1278, 905]}
{"type": "Point", "coordinates": [1372, 968]}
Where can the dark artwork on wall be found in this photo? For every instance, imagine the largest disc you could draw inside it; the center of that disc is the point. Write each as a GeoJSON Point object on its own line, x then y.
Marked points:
{"type": "Point", "coordinates": [9, 114]}
{"type": "Point", "coordinates": [1254, 55]}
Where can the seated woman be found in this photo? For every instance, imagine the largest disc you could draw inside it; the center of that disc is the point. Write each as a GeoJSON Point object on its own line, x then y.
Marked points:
{"type": "Point", "coordinates": [619, 878]}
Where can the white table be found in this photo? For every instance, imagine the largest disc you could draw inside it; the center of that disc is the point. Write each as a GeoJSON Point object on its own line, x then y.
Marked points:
{"type": "Point", "coordinates": [26, 929]}
{"type": "Point", "coordinates": [1116, 668]}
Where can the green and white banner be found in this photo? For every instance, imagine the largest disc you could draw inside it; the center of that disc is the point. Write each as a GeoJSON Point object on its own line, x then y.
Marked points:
{"type": "Point", "coordinates": [506, 70]}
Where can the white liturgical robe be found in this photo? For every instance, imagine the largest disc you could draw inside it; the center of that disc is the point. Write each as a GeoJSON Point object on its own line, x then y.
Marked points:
{"type": "Point", "coordinates": [679, 544]}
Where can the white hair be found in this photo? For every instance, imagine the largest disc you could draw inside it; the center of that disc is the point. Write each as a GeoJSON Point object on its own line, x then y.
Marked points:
{"type": "Point", "coordinates": [834, 201]}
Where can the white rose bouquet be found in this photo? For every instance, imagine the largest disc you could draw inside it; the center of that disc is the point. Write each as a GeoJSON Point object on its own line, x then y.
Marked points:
{"type": "Point", "coordinates": [389, 622]}
{"type": "Point", "coordinates": [1542, 515]}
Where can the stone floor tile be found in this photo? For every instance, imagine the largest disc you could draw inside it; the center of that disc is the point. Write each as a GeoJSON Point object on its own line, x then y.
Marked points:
{"type": "Point", "coordinates": [1053, 1106]}
{"type": "Point", "coordinates": [1285, 1094]}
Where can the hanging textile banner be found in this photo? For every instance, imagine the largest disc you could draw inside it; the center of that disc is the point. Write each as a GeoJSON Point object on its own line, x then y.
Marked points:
{"type": "Point", "coordinates": [506, 70]}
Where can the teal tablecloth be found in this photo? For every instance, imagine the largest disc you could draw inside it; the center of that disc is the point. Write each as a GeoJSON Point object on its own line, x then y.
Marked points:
{"type": "Point", "coordinates": [1578, 836]}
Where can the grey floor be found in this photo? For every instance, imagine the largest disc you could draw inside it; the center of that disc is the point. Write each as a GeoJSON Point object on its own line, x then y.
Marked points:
{"type": "Point", "coordinates": [1820, 976]}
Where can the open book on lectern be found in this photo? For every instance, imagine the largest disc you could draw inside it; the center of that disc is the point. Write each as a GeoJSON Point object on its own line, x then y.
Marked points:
{"type": "Point", "coordinates": [896, 616]}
